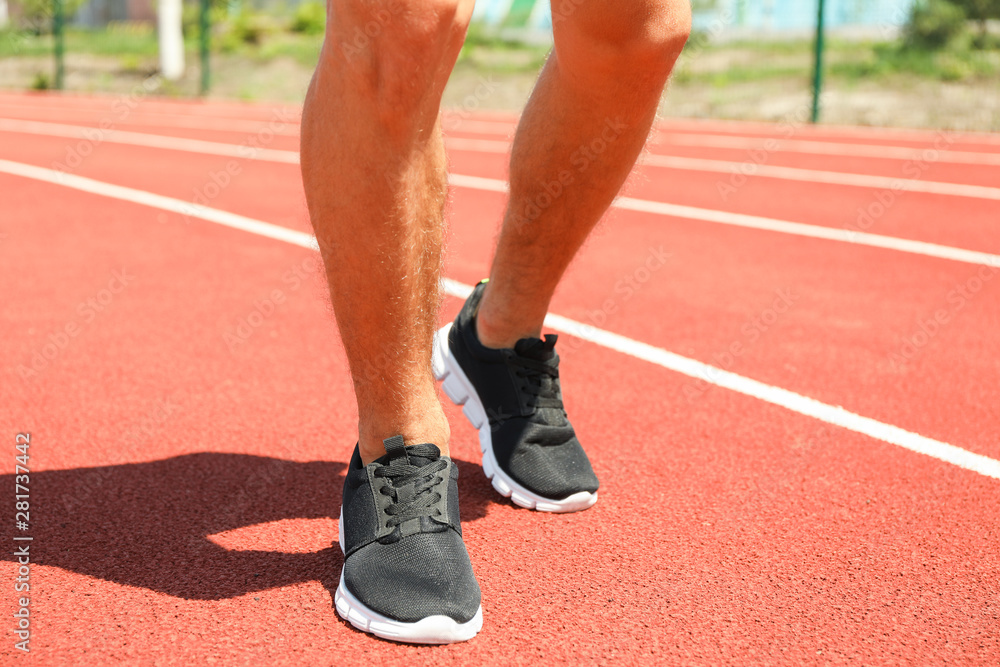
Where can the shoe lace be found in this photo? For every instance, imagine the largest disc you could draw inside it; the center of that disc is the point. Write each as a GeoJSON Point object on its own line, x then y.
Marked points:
{"type": "Point", "coordinates": [539, 380]}
{"type": "Point", "coordinates": [423, 478]}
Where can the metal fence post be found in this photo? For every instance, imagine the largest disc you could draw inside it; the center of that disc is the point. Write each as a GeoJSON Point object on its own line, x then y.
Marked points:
{"type": "Point", "coordinates": [58, 21]}
{"type": "Point", "coordinates": [818, 65]}
{"type": "Point", "coordinates": [204, 24]}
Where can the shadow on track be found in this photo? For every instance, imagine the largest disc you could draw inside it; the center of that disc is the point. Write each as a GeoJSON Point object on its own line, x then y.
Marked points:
{"type": "Point", "coordinates": [146, 524]}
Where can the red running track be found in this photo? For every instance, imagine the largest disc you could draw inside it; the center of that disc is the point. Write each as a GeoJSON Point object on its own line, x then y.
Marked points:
{"type": "Point", "coordinates": [189, 430]}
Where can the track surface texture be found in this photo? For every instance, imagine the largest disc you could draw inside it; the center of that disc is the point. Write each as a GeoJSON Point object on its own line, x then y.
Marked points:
{"type": "Point", "coordinates": [792, 407]}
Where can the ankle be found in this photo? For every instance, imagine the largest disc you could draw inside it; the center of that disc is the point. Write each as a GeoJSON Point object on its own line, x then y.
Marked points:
{"type": "Point", "coordinates": [497, 331]}
{"type": "Point", "coordinates": [430, 425]}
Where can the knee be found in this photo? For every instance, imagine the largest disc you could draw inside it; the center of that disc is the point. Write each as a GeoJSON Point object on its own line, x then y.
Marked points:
{"type": "Point", "coordinates": [394, 50]}
{"type": "Point", "coordinates": [630, 39]}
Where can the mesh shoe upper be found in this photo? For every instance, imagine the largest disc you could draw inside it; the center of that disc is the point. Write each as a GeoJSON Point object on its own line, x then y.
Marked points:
{"type": "Point", "coordinates": [404, 554]}
{"type": "Point", "coordinates": [532, 438]}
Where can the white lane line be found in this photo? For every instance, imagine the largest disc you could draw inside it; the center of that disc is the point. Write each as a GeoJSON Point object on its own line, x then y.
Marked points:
{"type": "Point", "coordinates": [768, 224]}
{"type": "Point", "coordinates": [459, 120]}
{"type": "Point", "coordinates": [765, 130]}
{"type": "Point", "coordinates": [453, 120]}
{"type": "Point", "coordinates": [140, 102]}
{"type": "Point", "coordinates": [761, 131]}
{"type": "Point", "coordinates": [826, 177]}
{"type": "Point", "coordinates": [792, 401]}
{"type": "Point", "coordinates": [928, 154]}
{"type": "Point", "coordinates": [812, 231]}
{"type": "Point", "coordinates": [456, 124]}
{"type": "Point", "coordinates": [114, 136]}
{"type": "Point", "coordinates": [782, 146]}
{"type": "Point", "coordinates": [119, 118]}
{"type": "Point", "coordinates": [477, 183]}
{"type": "Point", "coordinates": [772, 171]}
{"type": "Point", "coordinates": [477, 145]}
{"type": "Point", "coordinates": [495, 185]}
{"type": "Point", "coordinates": [488, 146]}
{"type": "Point", "coordinates": [152, 200]}
{"type": "Point", "coordinates": [466, 125]}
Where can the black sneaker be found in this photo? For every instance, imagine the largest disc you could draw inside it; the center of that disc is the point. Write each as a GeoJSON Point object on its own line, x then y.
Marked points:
{"type": "Point", "coordinates": [407, 575]}
{"type": "Point", "coordinates": [530, 450]}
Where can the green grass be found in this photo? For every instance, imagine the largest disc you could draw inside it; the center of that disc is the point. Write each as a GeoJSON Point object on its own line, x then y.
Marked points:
{"type": "Point", "coordinates": [481, 50]}
{"type": "Point", "coordinates": [303, 48]}
{"type": "Point", "coordinates": [777, 47]}
{"type": "Point", "coordinates": [846, 62]}
{"type": "Point", "coordinates": [17, 43]}
{"type": "Point", "coordinates": [487, 50]}
{"type": "Point", "coordinates": [479, 36]}
{"type": "Point", "coordinates": [263, 37]}
{"type": "Point", "coordinates": [883, 60]}
{"type": "Point", "coordinates": [735, 75]}
{"type": "Point", "coordinates": [97, 42]}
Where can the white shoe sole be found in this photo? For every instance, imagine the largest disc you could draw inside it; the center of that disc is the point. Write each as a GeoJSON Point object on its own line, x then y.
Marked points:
{"type": "Point", "coordinates": [458, 388]}
{"type": "Point", "coordinates": [430, 630]}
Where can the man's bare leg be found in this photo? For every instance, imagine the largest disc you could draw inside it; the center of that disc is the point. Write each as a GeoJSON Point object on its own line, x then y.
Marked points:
{"type": "Point", "coordinates": [582, 130]}
{"type": "Point", "coordinates": [373, 166]}
{"type": "Point", "coordinates": [584, 126]}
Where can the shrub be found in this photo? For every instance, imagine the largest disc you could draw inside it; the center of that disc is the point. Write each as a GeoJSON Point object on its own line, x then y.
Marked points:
{"type": "Point", "coordinates": [934, 24]}
{"type": "Point", "coordinates": [191, 17]}
{"type": "Point", "coordinates": [250, 28]}
{"type": "Point", "coordinates": [981, 11]}
{"type": "Point", "coordinates": [41, 81]}
{"type": "Point", "coordinates": [35, 16]}
{"type": "Point", "coordinates": [310, 18]}
{"type": "Point", "coordinates": [245, 29]}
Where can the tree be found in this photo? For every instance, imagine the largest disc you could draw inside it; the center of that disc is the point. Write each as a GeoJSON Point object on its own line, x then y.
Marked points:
{"type": "Point", "coordinates": [980, 11]}
{"type": "Point", "coordinates": [36, 15]}
{"type": "Point", "coordinates": [934, 24]}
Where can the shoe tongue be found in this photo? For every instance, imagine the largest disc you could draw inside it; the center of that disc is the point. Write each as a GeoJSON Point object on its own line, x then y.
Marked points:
{"type": "Point", "coordinates": [536, 348]}
{"type": "Point", "coordinates": [426, 454]}
{"type": "Point", "coordinates": [415, 455]}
